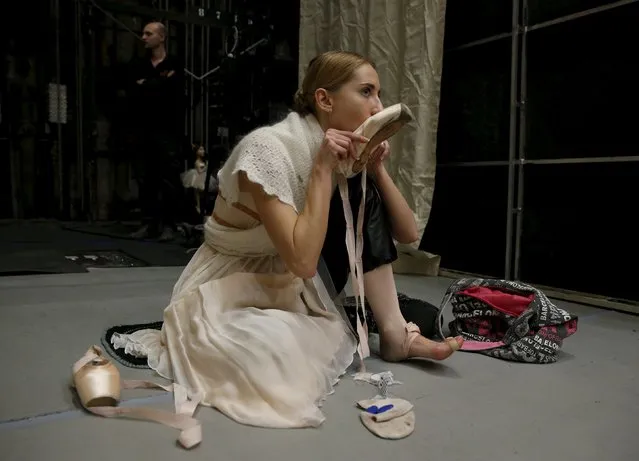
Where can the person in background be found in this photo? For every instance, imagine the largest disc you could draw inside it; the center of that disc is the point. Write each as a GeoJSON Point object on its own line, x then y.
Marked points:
{"type": "Point", "coordinates": [156, 89]}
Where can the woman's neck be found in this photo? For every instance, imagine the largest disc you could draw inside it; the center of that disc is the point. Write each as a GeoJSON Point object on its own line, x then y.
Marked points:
{"type": "Point", "coordinates": [322, 120]}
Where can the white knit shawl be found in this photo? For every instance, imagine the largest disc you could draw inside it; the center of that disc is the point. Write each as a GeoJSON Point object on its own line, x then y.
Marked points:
{"type": "Point", "coordinates": [277, 157]}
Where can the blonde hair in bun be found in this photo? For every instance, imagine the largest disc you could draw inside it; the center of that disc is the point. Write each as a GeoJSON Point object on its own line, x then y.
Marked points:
{"type": "Point", "coordinates": [328, 70]}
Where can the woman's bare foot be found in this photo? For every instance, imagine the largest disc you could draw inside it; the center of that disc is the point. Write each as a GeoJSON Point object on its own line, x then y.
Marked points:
{"type": "Point", "coordinates": [411, 344]}
{"type": "Point", "coordinates": [426, 348]}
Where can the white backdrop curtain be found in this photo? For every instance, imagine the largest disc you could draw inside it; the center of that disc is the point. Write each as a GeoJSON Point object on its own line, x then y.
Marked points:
{"type": "Point", "coordinates": [405, 39]}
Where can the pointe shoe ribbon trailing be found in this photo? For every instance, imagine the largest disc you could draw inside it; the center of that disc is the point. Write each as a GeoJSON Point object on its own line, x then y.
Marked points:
{"type": "Point", "coordinates": [97, 382]}
{"type": "Point", "coordinates": [377, 129]}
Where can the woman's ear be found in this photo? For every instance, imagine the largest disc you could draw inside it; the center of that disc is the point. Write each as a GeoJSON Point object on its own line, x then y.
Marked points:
{"type": "Point", "coordinates": [323, 100]}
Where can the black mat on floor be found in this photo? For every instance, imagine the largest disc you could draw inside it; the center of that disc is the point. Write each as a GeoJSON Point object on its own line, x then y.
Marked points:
{"type": "Point", "coordinates": [37, 262]}
{"type": "Point", "coordinates": [52, 247]}
{"type": "Point", "coordinates": [103, 259]}
{"type": "Point", "coordinates": [127, 360]}
{"type": "Point", "coordinates": [421, 312]}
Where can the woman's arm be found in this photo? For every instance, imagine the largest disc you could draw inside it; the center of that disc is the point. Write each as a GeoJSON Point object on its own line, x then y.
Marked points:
{"type": "Point", "coordinates": [299, 238]}
{"type": "Point", "coordinates": [404, 227]}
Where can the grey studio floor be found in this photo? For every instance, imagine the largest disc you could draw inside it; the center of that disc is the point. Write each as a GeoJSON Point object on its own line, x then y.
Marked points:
{"type": "Point", "coordinates": [471, 407]}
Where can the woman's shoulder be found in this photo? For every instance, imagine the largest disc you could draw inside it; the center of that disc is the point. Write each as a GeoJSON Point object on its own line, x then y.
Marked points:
{"type": "Point", "coordinates": [275, 156]}
{"type": "Point", "coordinates": [280, 140]}
{"type": "Point", "coordinates": [264, 137]}
{"type": "Point", "coordinates": [258, 149]}
{"type": "Point", "coordinates": [279, 132]}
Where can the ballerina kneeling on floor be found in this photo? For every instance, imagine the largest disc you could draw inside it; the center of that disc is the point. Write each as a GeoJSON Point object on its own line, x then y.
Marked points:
{"type": "Point", "coordinates": [251, 326]}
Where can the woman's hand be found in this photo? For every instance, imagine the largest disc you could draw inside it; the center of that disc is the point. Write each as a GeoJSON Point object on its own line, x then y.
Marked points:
{"type": "Point", "coordinates": [337, 146]}
{"type": "Point", "coordinates": [378, 157]}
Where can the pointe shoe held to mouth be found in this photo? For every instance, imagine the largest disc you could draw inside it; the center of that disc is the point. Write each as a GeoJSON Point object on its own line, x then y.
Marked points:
{"type": "Point", "coordinates": [378, 128]}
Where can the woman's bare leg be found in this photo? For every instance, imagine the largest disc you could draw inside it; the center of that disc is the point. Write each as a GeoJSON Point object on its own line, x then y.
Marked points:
{"type": "Point", "coordinates": [381, 295]}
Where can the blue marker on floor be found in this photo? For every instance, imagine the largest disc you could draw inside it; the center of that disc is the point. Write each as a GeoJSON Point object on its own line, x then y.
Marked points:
{"type": "Point", "coordinates": [376, 410]}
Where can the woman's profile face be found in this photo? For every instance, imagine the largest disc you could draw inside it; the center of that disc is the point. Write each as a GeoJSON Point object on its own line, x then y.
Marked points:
{"type": "Point", "coordinates": [356, 100]}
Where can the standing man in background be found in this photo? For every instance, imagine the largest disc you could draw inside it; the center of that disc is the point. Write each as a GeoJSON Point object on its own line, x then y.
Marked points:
{"type": "Point", "coordinates": [157, 95]}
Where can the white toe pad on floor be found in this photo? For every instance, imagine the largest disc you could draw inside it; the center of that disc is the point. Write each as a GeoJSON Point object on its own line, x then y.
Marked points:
{"type": "Point", "coordinates": [397, 422]}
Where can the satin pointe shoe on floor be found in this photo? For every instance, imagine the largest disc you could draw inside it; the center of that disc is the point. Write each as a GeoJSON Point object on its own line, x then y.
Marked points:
{"type": "Point", "coordinates": [97, 380]}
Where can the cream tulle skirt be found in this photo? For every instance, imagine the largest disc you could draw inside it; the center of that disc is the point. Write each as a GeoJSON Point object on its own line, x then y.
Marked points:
{"type": "Point", "coordinates": [264, 347]}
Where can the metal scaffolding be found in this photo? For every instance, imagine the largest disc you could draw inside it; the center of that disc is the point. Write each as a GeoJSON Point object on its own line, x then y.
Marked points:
{"type": "Point", "coordinates": [517, 149]}
{"type": "Point", "coordinates": [518, 145]}
{"type": "Point", "coordinates": [197, 19]}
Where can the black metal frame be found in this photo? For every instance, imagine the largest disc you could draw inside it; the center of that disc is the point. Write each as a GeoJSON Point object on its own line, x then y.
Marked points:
{"type": "Point", "coordinates": [211, 18]}
{"type": "Point", "coordinates": [517, 137]}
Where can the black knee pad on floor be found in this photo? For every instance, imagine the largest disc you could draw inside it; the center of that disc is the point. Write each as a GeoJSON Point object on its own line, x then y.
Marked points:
{"type": "Point", "coordinates": [420, 312]}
